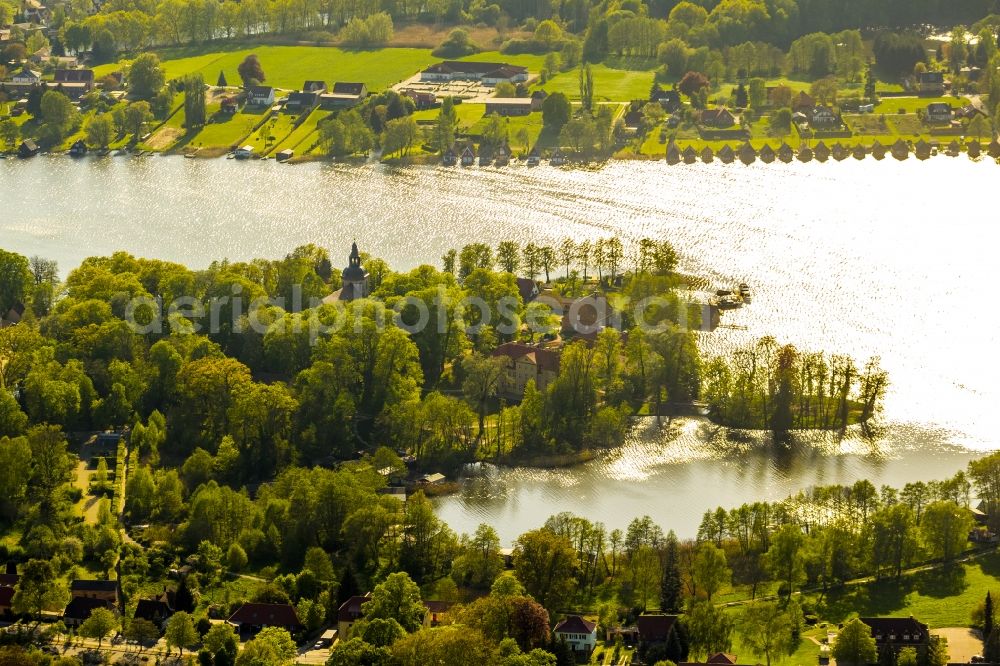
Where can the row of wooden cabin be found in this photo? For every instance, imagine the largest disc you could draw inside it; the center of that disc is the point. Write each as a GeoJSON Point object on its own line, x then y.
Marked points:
{"type": "Point", "coordinates": [747, 154]}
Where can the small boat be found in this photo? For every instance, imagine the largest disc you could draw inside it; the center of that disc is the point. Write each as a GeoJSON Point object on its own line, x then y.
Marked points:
{"type": "Point", "coordinates": [745, 292]}
{"type": "Point", "coordinates": [534, 159]}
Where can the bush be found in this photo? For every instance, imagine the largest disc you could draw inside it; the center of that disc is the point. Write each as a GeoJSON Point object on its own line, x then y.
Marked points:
{"type": "Point", "coordinates": [375, 30]}
{"type": "Point", "coordinates": [457, 44]}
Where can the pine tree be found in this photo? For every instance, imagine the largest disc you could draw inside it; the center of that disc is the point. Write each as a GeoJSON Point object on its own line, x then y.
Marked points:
{"type": "Point", "coordinates": [991, 648]}
{"type": "Point", "coordinates": [221, 83]}
{"type": "Point", "coordinates": [348, 586]}
{"type": "Point", "coordinates": [870, 85]}
{"type": "Point", "coordinates": [987, 616]}
{"type": "Point", "coordinates": [562, 651]}
{"type": "Point", "coordinates": [741, 96]}
{"type": "Point", "coordinates": [194, 102]}
{"type": "Point", "coordinates": [183, 599]}
{"type": "Point", "coordinates": [670, 587]}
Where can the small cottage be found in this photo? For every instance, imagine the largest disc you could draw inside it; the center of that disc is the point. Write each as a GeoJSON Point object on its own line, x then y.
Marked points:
{"type": "Point", "coordinates": [579, 634]}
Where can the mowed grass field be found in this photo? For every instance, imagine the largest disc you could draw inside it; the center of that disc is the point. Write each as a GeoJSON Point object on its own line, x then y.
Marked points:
{"type": "Point", "coordinates": [941, 597]}
{"type": "Point", "coordinates": [615, 80]}
{"type": "Point", "coordinates": [303, 137]}
{"type": "Point", "coordinates": [289, 66]}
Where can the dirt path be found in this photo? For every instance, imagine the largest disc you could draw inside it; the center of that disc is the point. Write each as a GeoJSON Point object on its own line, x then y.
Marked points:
{"type": "Point", "coordinates": [88, 504]}
{"type": "Point", "coordinates": [963, 643]}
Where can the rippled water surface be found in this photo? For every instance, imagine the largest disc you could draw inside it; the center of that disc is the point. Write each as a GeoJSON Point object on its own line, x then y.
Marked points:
{"type": "Point", "coordinates": [866, 258]}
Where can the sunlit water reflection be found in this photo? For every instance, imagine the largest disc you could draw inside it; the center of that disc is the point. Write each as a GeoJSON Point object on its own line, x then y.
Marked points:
{"type": "Point", "coordinates": [865, 258]}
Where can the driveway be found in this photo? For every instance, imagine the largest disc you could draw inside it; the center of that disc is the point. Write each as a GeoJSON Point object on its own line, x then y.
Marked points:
{"type": "Point", "coordinates": [963, 643]}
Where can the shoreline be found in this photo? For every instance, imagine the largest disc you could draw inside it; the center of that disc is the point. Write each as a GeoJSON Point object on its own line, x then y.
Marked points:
{"type": "Point", "coordinates": [738, 154]}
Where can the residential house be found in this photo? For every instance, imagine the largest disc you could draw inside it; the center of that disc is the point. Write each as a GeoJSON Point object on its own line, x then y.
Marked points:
{"type": "Point", "coordinates": [157, 610]}
{"type": "Point", "coordinates": [930, 83]}
{"type": "Point", "coordinates": [824, 117]}
{"type": "Point", "coordinates": [73, 90]}
{"type": "Point", "coordinates": [633, 120]}
{"type": "Point", "coordinates": [260, 95]}
{"type": "Point", "coordinates": [314, 86]}
{"type": "Point", "coordinates": [718, 118]}
{"type": "Point", "coordinates": [80, 608]}
{"type": "Point", "coordinates": [13, 316]}
{"type": "Point", "coordinates": [431, 479]}
{"type": "Point", "coordinates": [938, 112]}
{"type": "Point", "coordinates": [803, 103]}
{"type": "Point", "coordinates": [655, 628]}
{"type": "Point", "coordinates": [302, 101]}
{"type": "Point", "coordinates": [670, 99]}
{"type": "Point", "coordinates": [344, 95]}
{"type": "Point", "coordinates": [421, 99]}
{"type": "Point", "coordinates": [84, 76]}
{"type": "Point", "coordinates": [250, 618]}
{"type": "Point", "coordinates": [349, 613]}
{"type": "Point", "coordinates": [488, 73]}
{"type": "Point", "coordinates": [523, 363]}
{"type": "Point", "coordinates": [229, 105]}
{"type": "Point", "coordinates": [436, 613]}
{"type": "Point", "coordinates": [720, 658]}
{"type": "Point", "coordinates": [528, 289]}
{"type": "Point", "coordinates": [537, 99]}
{"type": "Point", "coordinates": [579, 634]}
{"type": "Point", "coordinates": [34, 11]}
{"type": "Point", "coordinates": [509, 106]}
{"type": "Point", "coordinates": [5, 35]}
{"type": "Point", "coordinates": [105, 590]}
{"type": "Point", "coordinates": [26, 77]}
{"type": "Point", "coordinates": [586, 317]}
{"type": "Point", "coordinates": [898, 632]}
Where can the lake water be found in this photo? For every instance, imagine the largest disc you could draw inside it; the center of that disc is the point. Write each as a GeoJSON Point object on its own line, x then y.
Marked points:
{"type": "Point", "coordinates": [896, 259]}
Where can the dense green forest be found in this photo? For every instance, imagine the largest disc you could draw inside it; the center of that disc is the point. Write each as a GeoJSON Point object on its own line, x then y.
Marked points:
{"type": "Point", "coordinates": [259, 443]}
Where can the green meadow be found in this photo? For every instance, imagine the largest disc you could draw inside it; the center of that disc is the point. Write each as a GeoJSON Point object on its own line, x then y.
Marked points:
{"type": "Point", "coordinates": [615, 80]}
{"type": "Point", "coordinates": [289, 66]}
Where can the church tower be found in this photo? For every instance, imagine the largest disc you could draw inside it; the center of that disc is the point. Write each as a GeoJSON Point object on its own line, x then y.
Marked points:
{"type": "Point", "coordinates": [354, 277]}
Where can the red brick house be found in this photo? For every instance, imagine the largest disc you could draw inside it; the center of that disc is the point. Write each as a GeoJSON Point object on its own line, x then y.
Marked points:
{"type": "Point", "coordinates": [252, 617]}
